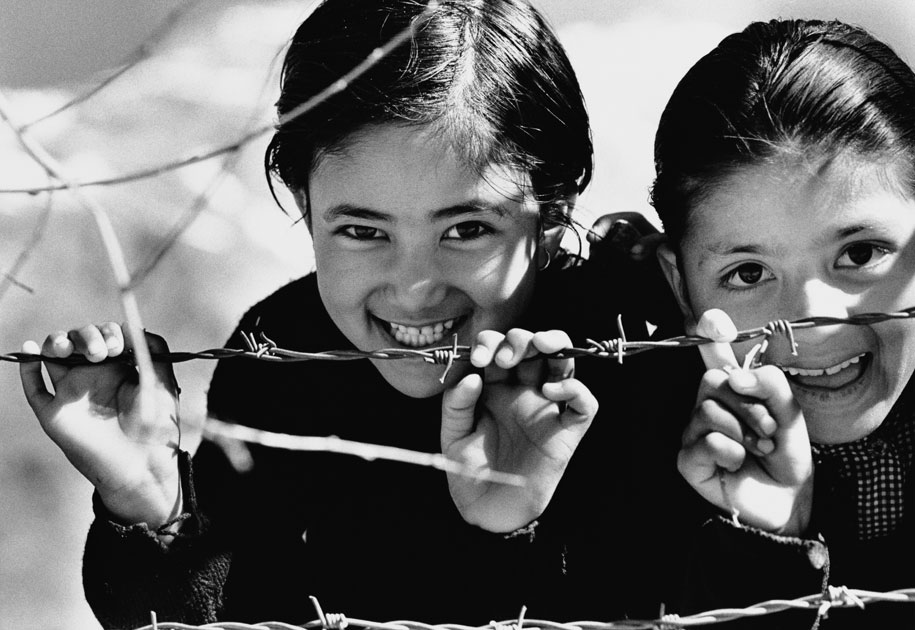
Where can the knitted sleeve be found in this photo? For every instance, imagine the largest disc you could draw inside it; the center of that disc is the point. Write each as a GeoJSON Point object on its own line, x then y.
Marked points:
{"type": "Point", "coordinates": [128, 573]}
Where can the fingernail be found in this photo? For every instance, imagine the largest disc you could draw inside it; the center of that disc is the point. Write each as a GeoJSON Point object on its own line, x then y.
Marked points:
{"type": "Point", "coordinates": [479, 356]}
{"type": "Point", "coordinates": [504, 355]}
{"type": "Point", "coordinates": [743, 379]}
{"type": "Point", "coordinates": [765, 446]}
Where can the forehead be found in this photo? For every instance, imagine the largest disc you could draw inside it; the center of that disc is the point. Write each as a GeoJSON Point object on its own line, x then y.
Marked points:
{"type": "Point", "coordinates": [398, 169]}
{"type": "Point", "coordinates": [793, 199]}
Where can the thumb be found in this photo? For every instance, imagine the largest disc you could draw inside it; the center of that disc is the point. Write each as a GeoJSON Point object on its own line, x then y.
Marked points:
{"type": "Point", "coordinates": [717, 326]}
{"type": "Point", "coordinates": [458, 409]}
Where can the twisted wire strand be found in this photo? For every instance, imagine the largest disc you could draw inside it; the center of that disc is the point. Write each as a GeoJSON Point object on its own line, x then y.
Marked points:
{"type": "Point", "coordinates": [835, 597]}
{"type": "Point", "coordinates": [263, 348]}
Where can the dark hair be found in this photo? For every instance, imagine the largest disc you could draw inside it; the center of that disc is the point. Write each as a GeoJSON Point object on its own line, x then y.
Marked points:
{"type": "Point", "coordinates": [489, 76]}
{"type": "Point", "coordinates": [785, 87]}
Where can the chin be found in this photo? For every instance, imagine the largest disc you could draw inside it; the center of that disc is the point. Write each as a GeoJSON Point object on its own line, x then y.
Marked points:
{"type": "Point", "coordinates": [421, 382]}
{"type": "Point", "coordinates": [837, 430]}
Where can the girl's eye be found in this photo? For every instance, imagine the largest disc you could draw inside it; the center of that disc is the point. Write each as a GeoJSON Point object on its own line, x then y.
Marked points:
{"type": "Point", "coordinates": [361, 232]}
{"type": "Point", "coordinates": [747, 275]}
{"type": "Point", "coordinates": [862, 255]}
{"type": "Point", "coordinates": [466, 231]}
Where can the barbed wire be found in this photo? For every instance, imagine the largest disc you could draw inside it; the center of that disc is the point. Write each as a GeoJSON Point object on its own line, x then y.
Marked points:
{"type": "Point", "coordinates": [822, 603]}
{"type": "Point", "coordinates": [263, 348]}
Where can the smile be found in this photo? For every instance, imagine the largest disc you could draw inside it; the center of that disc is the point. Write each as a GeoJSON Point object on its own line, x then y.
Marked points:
{"type": "Point", "coordinates": [835, 369]}
{"type": "Point", "coordinates": [418, 336]}
{"type": "Point", "coordinates": [832, 377]}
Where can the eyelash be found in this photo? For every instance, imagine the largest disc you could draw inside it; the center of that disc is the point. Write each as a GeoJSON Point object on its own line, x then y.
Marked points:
{"type": "Point", "coordinates": [733, 273]}
{"type": "Point", "coordinates": [869, 264]}
{"type": "Point", "coordinates": [766, 275]}
{"type": "Point", "coordinates": [482, 230]}
{"type": "Point", "coordinates": [353, 232]}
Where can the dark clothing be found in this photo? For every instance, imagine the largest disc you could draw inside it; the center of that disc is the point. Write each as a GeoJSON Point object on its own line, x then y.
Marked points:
{"type": "Point", "coordinates": [836, 551]}
{"type": "Point", "coordinates": [378, 540]}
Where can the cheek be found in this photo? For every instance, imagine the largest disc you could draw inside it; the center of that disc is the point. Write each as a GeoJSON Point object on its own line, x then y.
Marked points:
{"type": "Point", "coordinates": [503, 272]}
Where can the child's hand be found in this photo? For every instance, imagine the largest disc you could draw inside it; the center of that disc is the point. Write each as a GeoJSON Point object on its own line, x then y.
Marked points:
{"type": "Point", "coordinates": [526, 419]}
{"type": "Point", "coordinates": [746, 446]}
{"type": "Point", "coordinates": [93, 416]}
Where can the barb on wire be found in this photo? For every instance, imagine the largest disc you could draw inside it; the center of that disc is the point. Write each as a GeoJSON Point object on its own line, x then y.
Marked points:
{"type": "Point", "coordinates": [836, 597]}
{"type": "Point", "coordinates": [263, 348]}
{"type": "Point", "coordinates": [137, 56]}
{"type": "Point", "coordinates": [334, 88]}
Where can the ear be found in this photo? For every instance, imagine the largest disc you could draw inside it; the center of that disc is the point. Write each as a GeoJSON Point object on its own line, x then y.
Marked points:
{"type": "Point", "coordinates": [301, 201]}
{"type": "Point", "coordinates": [668, 261]}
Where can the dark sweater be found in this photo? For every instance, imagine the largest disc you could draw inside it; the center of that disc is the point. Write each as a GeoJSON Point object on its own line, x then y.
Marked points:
{"type": "Point", "coordinates": [380, 540]}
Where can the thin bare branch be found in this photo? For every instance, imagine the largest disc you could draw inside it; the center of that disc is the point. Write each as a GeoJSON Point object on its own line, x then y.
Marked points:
{"type": "Point", "coordinates": [112, 249]}
{"type": "Point", "coordinates": [9, 277]}
{"type": "Point", "coordinates": [333, 89]}
{"type": "Point", "coordinates": [332, 444]}
{"type": "Point", "coordinates": [136, 56]}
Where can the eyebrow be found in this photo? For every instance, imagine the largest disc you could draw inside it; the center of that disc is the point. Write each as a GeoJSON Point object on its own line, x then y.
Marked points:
{"type": "Point", "coordinates": [722, 248]}
{"type": "Point", "coordinates": [349, 211]}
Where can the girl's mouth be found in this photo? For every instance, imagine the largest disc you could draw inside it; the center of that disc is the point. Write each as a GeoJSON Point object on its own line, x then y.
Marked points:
{"type": "Point", "coordinates": [425, 335]}
{"type": "Point", "coordinates": [832, 377]}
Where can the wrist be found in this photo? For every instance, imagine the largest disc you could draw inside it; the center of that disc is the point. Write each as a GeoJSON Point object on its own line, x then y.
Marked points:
{"type": "Point", "coordinates": [156, 502]}
{"type": "Point", "coordinates": [799, 521]}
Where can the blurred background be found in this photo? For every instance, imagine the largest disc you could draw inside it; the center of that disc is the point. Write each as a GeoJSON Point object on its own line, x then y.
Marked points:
{"type": "Point", "coordinates": [207, 74]}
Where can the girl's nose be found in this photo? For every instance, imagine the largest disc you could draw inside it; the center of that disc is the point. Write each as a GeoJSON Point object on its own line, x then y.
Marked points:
{"type": "Point", "coordinates": [416, 280]}
{"type": "Point", "coordinates": [815, 298]}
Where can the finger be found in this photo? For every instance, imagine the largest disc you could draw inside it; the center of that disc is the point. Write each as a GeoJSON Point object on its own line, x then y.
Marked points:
{"type": "Point", "coordinates": [459, 408]}
{"type": "Point", "coordinates": [717, 326]}
{"type": "Point", "coordinates": [700, 461]}
{"type": "Point", "coordinates": [580, 404]}
{"type": "Point", "coordinates": [484, 347]}
{"type": "Point", "coordinates": [36, 392]}
{"type": "Point", "coordinates": [164, 370]}
{"type": "Point", "coordinates": [769, 385]}
{"type": "Point", "coordinates": [113, 336]}
{"type": "Point", "coordinates": [514, 348]}
{"type": "Point", "coordinates": [57, 344]}
{"type": "Point", "coordinates": [89, 342]}
{"type": "Point", "coordinates": [711, 416]}
{"type": "Point", "coordinates": [551, 342]}
{"type": "Point", "coordinates": [752, 415]}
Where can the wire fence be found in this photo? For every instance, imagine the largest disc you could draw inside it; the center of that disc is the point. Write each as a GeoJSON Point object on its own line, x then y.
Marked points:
{"type": "Point", "coordinates": [820, 603]}
{"type": "Point", "coordinates": [261, 347]}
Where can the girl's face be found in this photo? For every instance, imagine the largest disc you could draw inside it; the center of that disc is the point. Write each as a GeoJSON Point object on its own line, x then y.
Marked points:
{"type": "Point", "coordinates": [412, 247]}
{"type": "Point", "coordinates": [795, 240]}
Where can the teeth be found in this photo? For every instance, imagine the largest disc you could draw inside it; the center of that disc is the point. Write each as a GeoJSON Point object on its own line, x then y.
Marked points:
{"type": "Point", "coordinates": [424, 336]}
{"type": "Point", "coordinates": [835, 369]}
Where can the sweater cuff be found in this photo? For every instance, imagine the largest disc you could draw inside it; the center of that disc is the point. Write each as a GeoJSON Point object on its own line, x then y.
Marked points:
{"type": "Point", "coordinates": [192, 523]}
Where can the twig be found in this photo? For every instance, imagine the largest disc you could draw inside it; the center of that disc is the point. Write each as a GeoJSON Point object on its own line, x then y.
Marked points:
{"type": "Point", "coordinates": [333, 89]}
{"type": "Point", "coordinates": [139, 54]}
{"type": "Point", "coordinates": [9, 277]}
{"type": "Point", "coordinates": [332, 444]}
{"type": "Point", "coordinates": [115, 258]}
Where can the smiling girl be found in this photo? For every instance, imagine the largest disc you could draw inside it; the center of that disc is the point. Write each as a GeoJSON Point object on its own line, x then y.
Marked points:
{"type": "Point", "coordinates": [435, 188]}
{"type": "Point", "coordinates": [786, 184]}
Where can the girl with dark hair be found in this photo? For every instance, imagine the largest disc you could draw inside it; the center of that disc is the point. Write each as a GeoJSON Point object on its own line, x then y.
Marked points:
{"type": "Point", "coordinates": [436, 187]}
{"type": "Point", "coordinates": [785, 181]}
